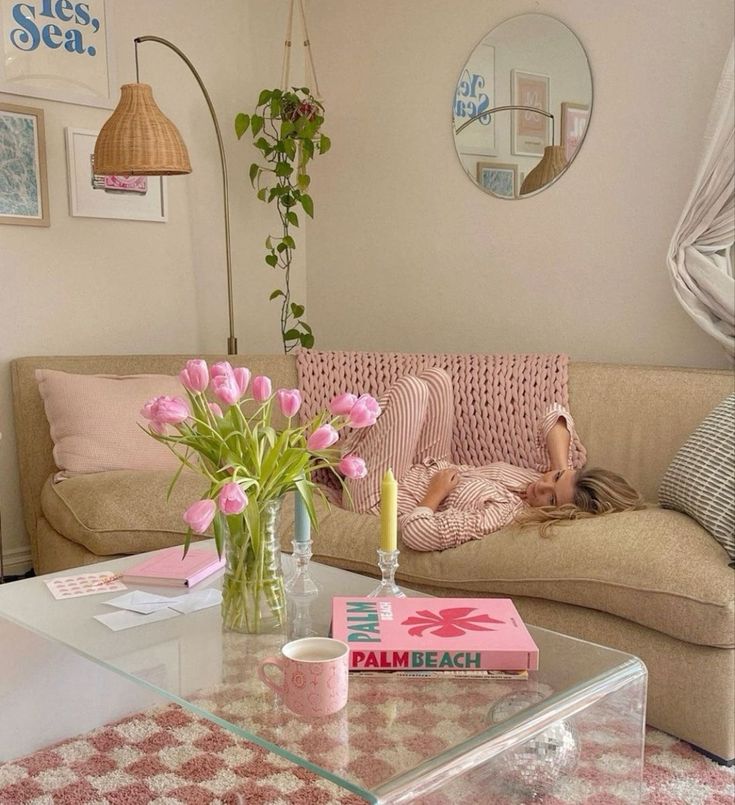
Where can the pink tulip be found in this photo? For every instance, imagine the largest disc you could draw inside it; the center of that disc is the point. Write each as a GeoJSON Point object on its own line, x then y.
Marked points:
{"type": "Point", "coordinates": [221, 368]}
{"type": "Point", "coordinates": [232, 500]}
{"type": "Point", "coordinates": [342, 404]}
{"type": "Point", "coordinates": [194, 376]}
{"type": "Point", "coordinates": [216, 410]}
{"type": "Point", "coordinates": [229, 384]}
{"type": "Point", "coordinates": [261, 388]}
{"type": "Point", "coordinates": [242, 378]}
{"type": "Point", "coordinates": [199, 515]}
{"type": "Point", "coordinates": [165, 410]}
{"type": "Point", "coordinates": [322, 438]}
{"type": "Point", "coordinates": [364, 412]}
{"type": "Point", "coordinates": [289, 401]}
{"type": "Point", "coordinates": [352, 466]}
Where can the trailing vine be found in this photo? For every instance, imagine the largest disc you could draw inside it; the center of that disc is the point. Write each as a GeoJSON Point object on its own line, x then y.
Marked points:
{"type": "Point", "coordinates": [286, 129]}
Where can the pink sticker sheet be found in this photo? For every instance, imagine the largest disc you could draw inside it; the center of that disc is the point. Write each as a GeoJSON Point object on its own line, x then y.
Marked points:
{"type": "Point", "coordinates": [84, 584]}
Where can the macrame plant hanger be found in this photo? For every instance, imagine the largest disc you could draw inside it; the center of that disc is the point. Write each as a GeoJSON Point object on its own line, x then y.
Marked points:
{"type": "Point", "coordinates": [309, 68]}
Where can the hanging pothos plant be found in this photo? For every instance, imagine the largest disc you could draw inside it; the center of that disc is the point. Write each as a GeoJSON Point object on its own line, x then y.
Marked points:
{"type": "Point", "coordinates": [286, 129]}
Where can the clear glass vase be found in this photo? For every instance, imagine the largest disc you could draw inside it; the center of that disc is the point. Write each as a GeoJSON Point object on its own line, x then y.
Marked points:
{"type": "Point", "coordinates": [253, 593]}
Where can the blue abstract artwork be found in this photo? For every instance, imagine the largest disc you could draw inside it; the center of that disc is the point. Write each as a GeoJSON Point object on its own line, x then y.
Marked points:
{"type": "Point", "coordinates": [19, 169]}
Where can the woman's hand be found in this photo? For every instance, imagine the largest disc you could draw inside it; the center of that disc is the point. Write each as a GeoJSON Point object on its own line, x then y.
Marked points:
{"type": "Point", "coordinates": [440, 485]}
{"type": "Point", "coordinates": [557, 443]}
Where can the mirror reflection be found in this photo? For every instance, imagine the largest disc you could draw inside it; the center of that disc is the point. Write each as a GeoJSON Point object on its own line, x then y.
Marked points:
{"type": "Point", "coordinates": [530, 62]}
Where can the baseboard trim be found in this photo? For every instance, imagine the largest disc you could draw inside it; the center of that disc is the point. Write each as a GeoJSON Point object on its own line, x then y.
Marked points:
{"type": "Point", "coordinates": [17, 561]}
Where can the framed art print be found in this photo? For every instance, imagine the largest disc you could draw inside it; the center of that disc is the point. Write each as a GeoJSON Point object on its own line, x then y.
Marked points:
{"type": "Point", "coordinates": [498, 179]}
{"type": "Point", "coordinates": [574, 117]}
{"type": "Point", "coordinates": [58, 50]}
{"type": "Point", "coordinates": [475, 92]}
{"type": "Point", "coordinates": [23, 183]}
{"type": "Point", "coordinates": [529, 131]}
{"type": "Point", "coordinates": [132, 198]}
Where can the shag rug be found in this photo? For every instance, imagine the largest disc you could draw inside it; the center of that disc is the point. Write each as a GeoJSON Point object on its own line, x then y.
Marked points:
{"type": "Point", "coordinates": [168, 756]}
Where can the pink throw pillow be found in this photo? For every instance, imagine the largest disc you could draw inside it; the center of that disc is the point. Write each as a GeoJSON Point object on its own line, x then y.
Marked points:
{"type": "Point", "coordinates": [94, 421]}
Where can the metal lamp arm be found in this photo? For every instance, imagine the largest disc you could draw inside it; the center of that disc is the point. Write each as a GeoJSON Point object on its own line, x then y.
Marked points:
{"type": "Point", "coordinates": [505, 109]}
{"type": "Point", "coordinates": [231, 340]}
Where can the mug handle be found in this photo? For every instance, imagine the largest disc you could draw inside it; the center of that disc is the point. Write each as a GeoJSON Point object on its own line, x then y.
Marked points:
{"type": "Point", "coordinates": [278, 663]}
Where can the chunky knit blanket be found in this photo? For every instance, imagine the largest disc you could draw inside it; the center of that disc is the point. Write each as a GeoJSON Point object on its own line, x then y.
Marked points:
{"type": "Point", "coordinates": [499, 399]}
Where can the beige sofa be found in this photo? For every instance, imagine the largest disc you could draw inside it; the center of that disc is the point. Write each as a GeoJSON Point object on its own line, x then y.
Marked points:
{"type": "Point", "coordinates": [652, 583]}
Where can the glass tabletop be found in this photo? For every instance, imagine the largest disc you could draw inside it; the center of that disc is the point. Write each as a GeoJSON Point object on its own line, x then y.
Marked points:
{"type": "Point", "coordinates": [393, 731]}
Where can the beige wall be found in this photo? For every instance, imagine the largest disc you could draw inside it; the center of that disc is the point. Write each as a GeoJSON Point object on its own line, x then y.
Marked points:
{"type": "Point", "coordinates": [85, 285]}
{"type": "Point", "coordinates": [405, 253]}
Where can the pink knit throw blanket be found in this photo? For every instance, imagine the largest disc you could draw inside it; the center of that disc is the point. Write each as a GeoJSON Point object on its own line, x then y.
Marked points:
{"type": "Point", "coordinates": [499, 399]}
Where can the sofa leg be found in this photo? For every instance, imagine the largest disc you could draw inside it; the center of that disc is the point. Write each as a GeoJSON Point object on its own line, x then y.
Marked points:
{"type": "Point", "coordinates": [717, 759]}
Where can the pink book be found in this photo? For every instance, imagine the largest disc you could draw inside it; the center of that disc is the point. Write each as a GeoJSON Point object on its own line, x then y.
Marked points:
{"type": "Point", "coordinates": [169, 568]}
{"type": "Point", "coordinates": [433, 633]}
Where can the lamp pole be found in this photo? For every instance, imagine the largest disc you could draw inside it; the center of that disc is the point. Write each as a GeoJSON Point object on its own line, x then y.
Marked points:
{"type": "Point", "coordinates": [231, 340]}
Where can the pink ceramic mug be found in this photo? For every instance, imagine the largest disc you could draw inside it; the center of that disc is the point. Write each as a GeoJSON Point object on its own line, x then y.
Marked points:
{"type": "Point", "coordinates": [315, 671]}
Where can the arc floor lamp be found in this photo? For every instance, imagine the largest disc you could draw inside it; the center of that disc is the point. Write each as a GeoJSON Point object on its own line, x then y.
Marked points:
{"type": "Point", "coordinates": [552, 162]}
{"type": "Point", "coordinates": [138, 139]}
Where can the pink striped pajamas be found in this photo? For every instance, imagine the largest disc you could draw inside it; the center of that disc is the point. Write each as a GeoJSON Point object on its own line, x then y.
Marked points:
{"type": "Point", "coordinates": [413, 436]}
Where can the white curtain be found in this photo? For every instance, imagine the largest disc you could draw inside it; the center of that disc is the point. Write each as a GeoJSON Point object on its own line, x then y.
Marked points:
{"type": "Point", "coordinates": [700, 257]}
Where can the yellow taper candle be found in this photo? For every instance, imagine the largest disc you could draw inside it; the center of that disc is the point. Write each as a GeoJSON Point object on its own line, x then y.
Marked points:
{"type": "Point", "coordinates": [388, 512]}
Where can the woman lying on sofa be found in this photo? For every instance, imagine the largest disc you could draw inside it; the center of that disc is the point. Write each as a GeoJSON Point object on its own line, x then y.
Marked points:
{"type": "Point", "coordinates": [441, 505]}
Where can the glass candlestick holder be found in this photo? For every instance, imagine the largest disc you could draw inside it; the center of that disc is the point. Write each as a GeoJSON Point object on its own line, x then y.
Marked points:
{"type": "Point", "coordinates": [387, 562]}
{"type": "Point", "coordinates": [301, 583]}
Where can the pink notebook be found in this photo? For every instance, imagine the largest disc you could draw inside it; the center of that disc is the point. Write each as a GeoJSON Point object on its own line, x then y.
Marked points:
{"type": "Point", "coordinates": [433, 633]}
{"type": "Point", "coordinates": [169, 568]}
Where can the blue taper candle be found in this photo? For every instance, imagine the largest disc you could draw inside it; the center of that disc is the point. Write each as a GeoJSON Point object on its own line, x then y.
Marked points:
{"type": "Point", "coordinates": [302, 526]}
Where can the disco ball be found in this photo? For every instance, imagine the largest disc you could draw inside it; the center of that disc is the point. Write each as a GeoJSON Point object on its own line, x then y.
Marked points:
{"type": "Point", "coordinates": [534, 768]}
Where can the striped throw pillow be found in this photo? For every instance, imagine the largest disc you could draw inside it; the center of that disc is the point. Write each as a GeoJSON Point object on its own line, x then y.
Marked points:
{"type": "Point", "coordinates": [701, 479]}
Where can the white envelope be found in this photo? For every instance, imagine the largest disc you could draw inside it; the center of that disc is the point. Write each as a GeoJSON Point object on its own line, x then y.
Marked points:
{"type": "Point", "coordinates": [145, 603]}
{"type": "Point", "coordinates": [201, 599]}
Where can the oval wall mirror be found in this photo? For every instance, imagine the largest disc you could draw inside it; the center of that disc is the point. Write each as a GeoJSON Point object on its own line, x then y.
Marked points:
{"type": "Point", "coordinates": [531, 61]}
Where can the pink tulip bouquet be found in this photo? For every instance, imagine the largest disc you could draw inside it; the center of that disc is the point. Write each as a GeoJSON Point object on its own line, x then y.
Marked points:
{"type": "Point", "coordinates": [250, 465]}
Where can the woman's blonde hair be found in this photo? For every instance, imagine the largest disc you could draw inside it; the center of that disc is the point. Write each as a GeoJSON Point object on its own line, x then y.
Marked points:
{"type": "Point", "coordinates": [596, 491]}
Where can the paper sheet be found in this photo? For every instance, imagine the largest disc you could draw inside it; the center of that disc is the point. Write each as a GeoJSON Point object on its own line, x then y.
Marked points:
{"type": "Point", "coordinates": [126, 620]}
{"type": "Point", "coordinates": [138, 608]}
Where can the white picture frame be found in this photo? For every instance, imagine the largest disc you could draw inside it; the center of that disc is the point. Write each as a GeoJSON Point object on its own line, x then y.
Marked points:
{"type": "Point", "coordinates": [476, 90]}
{"type": "Point", "coordinates": [91, 199]}
{"type": "Point", "coordinates": [60, 51]}
{"type": "Point", "coordinates": [530, 133]}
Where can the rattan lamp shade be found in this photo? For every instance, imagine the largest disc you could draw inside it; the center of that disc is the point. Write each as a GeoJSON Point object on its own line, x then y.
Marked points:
{"type": "Point", "coordinates": [551, 165]}
{"type": "Point", "coordinates": [138, 139]}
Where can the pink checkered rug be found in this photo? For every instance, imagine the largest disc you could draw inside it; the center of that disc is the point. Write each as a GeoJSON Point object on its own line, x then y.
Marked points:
{"type": "Point", "coordinates": [168, 756]}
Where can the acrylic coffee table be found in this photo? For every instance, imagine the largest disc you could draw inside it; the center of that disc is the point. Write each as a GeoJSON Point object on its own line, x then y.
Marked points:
{"type": "Point", "coordinates": [573, 729]}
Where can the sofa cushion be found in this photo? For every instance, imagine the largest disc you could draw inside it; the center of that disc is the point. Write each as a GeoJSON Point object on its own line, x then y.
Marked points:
{"type": "Point", "coordinates": [636, 565]}
{"type": "Point", "coordinates": [123, 511]}
{"type": "Point", "coordinates": [701, 479]}
{"type": "Point", "coordinates": [93, 421]}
